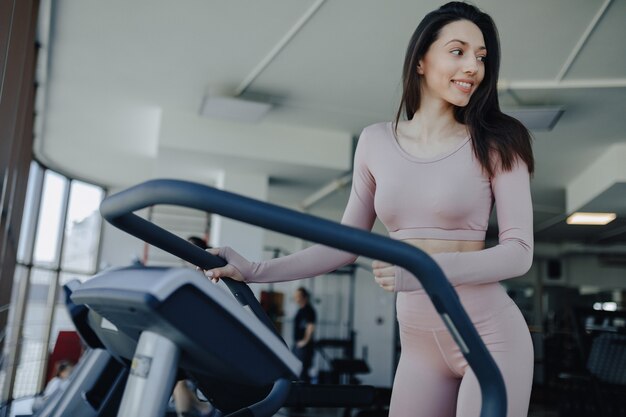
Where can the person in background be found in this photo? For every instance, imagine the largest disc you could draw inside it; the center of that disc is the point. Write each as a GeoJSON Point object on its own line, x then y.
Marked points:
{"type": "Point", "coordinates": [58, 383]}
{"type": "Point", "coordinates": [303, 330]}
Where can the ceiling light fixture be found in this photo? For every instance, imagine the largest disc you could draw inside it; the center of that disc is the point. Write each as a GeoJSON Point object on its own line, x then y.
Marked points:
{"type": "Point", "coordinates": [234, 109]}
{"type": "Point", "coordinates": [536, 118]}
{"type": "Point", "coordinates": [593, 219]}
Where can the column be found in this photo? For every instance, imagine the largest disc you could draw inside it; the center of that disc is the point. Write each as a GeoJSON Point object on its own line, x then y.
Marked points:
{"type": "Point", "coordinates": [246, 239]}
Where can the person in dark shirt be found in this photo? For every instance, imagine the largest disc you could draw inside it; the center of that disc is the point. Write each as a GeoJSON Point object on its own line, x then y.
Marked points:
{"type": "Point", "coordinates": [303, 329]}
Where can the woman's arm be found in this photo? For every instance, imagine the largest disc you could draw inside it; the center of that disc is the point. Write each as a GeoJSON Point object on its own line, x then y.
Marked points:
{"type": "Point", "coordinates": [317, 259]}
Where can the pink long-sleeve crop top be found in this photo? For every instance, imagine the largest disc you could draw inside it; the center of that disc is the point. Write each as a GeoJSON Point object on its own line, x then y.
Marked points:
{"type": "Point", "coordinates": [445, 197]}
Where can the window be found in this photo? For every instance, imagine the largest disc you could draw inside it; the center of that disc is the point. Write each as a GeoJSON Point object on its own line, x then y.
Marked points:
{"type": "Point", "coordinates": [59, 241]}
{"type": "Point", "coordinates": [82, 228]}
{"type": "Point", "coordinates": [51, 213]}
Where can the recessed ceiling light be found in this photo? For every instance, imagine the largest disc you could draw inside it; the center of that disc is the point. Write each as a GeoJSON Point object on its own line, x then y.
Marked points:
{"type": "Point", "coordinates": [233, 109]}
{"type": "Point", "coordinates": [596, 219]}
{"type": "Point", "coordinates": [537, 118]}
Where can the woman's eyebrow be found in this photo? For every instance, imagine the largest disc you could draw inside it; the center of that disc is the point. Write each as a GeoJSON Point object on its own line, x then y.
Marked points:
{"type": "Point", "coordinates": [480, 48]}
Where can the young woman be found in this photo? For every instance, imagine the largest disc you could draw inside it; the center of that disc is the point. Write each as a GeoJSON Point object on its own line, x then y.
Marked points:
{"type": "Point", "coordinates": [432, 179]}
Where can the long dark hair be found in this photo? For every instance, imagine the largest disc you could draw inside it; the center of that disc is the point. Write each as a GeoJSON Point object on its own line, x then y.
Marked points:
{"type": "Point", "coordinates": [490, 129]}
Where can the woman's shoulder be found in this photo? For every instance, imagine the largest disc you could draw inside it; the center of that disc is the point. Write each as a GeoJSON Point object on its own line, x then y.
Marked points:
{"type": "Point", "coordinates": [377, 128]}
{"type": "Point", "coordinates": [376, 134]}
{"type": "Point", "coordinates": [373, 141]}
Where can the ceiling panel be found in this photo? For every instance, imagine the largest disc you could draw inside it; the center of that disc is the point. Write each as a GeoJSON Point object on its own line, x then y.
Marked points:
{"type": "Point", "coordinates": [604, 54]}
{"type": "Point", "coordinates": [611, 200]}
{"type": "Point", "coordinates": [537, 36]}
{"type": "Point", "coordinates": [164, 51]}
{"type": "Point", "coordinates": [350, 54]}
{"type": "Point", "coordinates": [612, 233]}
{"type": "Point", "coordinates": [593, 120]}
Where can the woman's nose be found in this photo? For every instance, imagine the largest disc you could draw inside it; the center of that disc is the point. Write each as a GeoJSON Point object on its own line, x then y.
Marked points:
{"type": "Point", "coordinates": [470, 65]}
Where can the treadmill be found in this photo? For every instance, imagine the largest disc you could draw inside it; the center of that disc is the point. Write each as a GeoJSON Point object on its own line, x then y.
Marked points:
{"type": "Point", "coordinates": [165, 323]}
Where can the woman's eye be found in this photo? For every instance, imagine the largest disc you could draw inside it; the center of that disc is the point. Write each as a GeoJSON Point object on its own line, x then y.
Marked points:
{"type": "Point", "coordinates": [456, 52]}
{"type": "Point", "coordinates": [481, 58]}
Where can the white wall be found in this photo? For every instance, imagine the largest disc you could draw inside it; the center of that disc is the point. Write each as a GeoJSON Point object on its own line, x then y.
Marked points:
{"type": "Point", "coordinates": [375, 323]}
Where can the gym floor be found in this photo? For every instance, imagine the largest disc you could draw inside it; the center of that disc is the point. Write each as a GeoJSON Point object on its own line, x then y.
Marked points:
{"type": "Point", "coordinates": [536, 410]}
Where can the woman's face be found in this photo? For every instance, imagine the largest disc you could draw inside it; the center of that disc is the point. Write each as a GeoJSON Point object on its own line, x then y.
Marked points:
{"type": "Point", "coordinates": [453, 67]}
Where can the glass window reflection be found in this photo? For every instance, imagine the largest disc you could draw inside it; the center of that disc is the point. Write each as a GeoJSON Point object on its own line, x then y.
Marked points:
{"type": "Point", "coordinates": [82, 228]}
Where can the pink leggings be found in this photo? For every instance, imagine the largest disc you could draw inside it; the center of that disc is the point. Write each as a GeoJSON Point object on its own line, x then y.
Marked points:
{"type": "Point", "coordinates": [434, 380]}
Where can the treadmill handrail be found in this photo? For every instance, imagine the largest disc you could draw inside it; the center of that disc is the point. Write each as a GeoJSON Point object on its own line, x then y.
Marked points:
{"type": "Point", "coordinates": [118, 209]}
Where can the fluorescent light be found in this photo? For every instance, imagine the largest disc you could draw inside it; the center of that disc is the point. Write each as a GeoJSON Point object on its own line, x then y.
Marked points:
{"type": "Point", "coordinates": [596, 219]}
{"type": "Point", "coordinates": [536, 118]}
{"type": "Point", "coordinates": [608, 306]}
{"type": "Point", "coordinates": [233, 109]}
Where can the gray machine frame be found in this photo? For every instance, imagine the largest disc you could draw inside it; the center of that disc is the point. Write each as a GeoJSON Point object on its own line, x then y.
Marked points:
{"type": "Point", "coordinates": [155, 308]}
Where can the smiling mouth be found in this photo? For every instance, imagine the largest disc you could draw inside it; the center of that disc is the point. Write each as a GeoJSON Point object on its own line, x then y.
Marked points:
{"type": "Point", "coordinates": [463, 86]}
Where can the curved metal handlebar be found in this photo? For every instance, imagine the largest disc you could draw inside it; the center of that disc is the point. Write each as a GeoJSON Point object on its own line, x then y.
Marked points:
{"type": "Point", "coordinates": [118, 210]}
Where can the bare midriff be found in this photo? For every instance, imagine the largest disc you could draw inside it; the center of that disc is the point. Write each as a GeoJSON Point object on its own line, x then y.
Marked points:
{"type": "Point", "coordinates": [432, 246]}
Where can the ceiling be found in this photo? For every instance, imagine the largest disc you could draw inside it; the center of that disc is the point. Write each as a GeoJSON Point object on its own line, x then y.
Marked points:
{"type": "Point", "coordinates": [122, 85]}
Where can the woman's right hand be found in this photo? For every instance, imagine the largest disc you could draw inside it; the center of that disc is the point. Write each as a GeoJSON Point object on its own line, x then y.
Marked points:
{"type": "Point", "coordinates": [384, 275]}
{"type": "Point", "coordinates": [227, 270]}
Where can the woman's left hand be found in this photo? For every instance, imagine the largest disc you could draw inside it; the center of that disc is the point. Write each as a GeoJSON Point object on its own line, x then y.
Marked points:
{"type": "Point", "coordinates": [384, 275]}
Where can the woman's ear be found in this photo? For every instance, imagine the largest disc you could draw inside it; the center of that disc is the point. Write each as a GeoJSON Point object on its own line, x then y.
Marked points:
{"type": "Point", "coordinates": [420, 71]}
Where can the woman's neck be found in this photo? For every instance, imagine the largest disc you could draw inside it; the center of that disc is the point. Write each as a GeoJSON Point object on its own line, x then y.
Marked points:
{"type": "Point", "coordinates": [432, 122]}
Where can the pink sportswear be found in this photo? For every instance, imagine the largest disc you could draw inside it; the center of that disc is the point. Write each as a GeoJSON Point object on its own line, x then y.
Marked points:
{"type": "Point", "coordinates": [446, 197]}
